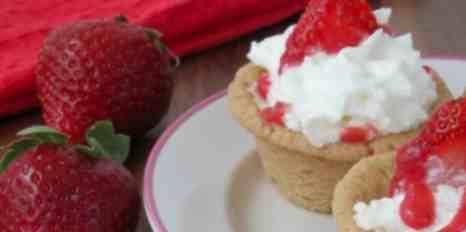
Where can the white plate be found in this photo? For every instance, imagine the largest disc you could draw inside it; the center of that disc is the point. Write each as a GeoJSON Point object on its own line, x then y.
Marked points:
{"type": "Point", "coordinates": [200, 175]}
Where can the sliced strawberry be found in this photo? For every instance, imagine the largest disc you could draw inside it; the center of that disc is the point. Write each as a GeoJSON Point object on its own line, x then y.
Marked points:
{"type": "Point", "coordinates": [275, 114]}
{"type": "Point", "coordinates": [263, 85]}
{"type": "Point", "coordinates": [443, 138]}
{"type": "Point", "coordinates": [358, 134]}
{"type": "Point", "coordinates": [447, 124]}
{"type": "Point", "coordinates": [329, 26]}
{"type": "Point", "coordinates": [453, 154]}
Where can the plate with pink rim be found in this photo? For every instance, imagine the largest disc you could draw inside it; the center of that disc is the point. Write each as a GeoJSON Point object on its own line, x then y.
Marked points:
{"type": "Point", "coordinates": [202, 176]}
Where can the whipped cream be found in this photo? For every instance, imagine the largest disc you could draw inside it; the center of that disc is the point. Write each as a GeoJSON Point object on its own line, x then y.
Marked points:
{"type": "Point", "coordinates": [380, 82]}
{"type": "Point", "coordinates": [383, 214]}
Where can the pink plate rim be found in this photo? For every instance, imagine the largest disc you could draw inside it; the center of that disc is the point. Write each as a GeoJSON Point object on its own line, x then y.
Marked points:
{"type": "Point", "coordinates": [149, 201]}
{"type": "Point", "coordinates": [150, 204]}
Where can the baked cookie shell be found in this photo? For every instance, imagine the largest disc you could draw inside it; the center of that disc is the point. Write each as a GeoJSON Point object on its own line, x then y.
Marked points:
{"type": "Point", "coordinates": [367, 180]}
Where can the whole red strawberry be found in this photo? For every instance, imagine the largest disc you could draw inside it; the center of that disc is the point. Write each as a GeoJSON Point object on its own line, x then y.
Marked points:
{"type": "Point", "coordinates": [47, 185]}
{"type": "Point", "coordinates": [328, 26]}
{"type": "Point", "coordinates": [99, 70]}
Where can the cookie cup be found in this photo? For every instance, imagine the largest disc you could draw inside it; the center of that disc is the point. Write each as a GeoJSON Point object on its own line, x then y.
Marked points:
{"type": "Point", "coordinates": [367, 180]}
{"type": "Point", "coordinates": [303, 173]}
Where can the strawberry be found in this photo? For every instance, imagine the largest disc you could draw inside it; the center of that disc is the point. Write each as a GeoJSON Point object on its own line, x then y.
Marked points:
{"type": "Point", "coordinates": [49, 185]}
{"type": "Point", "coordinates": [441, 145]}
{"type": "Point", "coordinates": [446, 127]}
{"type": "Point", "coordinates": [328, 26]}
{"type": "Point", "coordinates": [443, 137]}
{"type": "Point", "coordinates": [103, 70]}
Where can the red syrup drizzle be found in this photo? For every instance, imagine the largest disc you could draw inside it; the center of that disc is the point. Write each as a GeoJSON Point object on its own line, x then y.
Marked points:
{"type": "Point", "coordinates": [417, 208]}
{"type": "Point", "coordinates": [263, 85]}
{"type": "Point", "coordinates": [358, 134]}
{"type": "Point", "coordinates": [443, 138]}
{"type": "Point", "coordinates": [274, 114]}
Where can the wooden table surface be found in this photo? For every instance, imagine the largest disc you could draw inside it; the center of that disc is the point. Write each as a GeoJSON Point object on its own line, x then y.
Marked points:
{"type": "Point", "coordinates": [438, 27]}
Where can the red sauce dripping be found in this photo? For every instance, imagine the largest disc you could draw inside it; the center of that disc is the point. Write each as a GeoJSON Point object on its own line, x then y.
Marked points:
{"type": "Point", "coordinates": [358, 134]}
{"type": "Point", "coordinates": [442, 139]}
{"type": "Point", "coordinates": [274, 115]}
{"type": "Point", "coordinates": [263, 85]}
{"type": "Point", "coordinates": [417, 209]}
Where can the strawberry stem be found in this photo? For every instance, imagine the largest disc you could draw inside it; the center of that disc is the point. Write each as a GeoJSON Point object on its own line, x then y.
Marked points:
{"type": "Point", "coordinates": [44, 134]}
{"type": "Point", "coordinates": [31, 137]}
{"type": "Point", "coordinates": [15, 150]}
{"type": "Point", "coordinates": [103, 142]}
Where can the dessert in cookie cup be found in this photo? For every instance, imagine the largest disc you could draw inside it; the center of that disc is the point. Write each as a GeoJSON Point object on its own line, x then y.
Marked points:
{"type": "Point", "coordinates": [420, 187]}
{"type": "Point", "coordinates": [328, 92]}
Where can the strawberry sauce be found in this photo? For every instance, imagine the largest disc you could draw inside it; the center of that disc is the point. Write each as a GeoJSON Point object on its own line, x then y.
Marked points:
{"type": "Point", "coordinates": [417, 209]}
{"type": "Point", "coordinates": [275, 114]}
{"type": "Point", "coordinates": [442, 139]}
{"type": "Point", "coordinates": [263, 85]}
{"type": "Point", "coordinates": [358, 134]}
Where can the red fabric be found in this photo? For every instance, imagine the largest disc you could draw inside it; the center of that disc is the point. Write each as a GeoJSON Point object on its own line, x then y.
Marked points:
{"type": "Point", "coordinates": [188, 26]}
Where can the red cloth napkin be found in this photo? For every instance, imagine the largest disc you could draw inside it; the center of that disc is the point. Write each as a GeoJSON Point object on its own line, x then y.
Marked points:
{"type": "Point", "coordinates": [187, 25]}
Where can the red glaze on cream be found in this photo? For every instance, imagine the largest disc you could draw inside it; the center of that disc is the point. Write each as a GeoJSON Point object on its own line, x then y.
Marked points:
{"type": "Point", "coordinates": [263, 85]}
{"type": "Point", "coordinates": [443, 138]}
{"type": "Point", "coordinates": [358, 134]}
{"type": "Point", "coordinates": [275, 114]}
